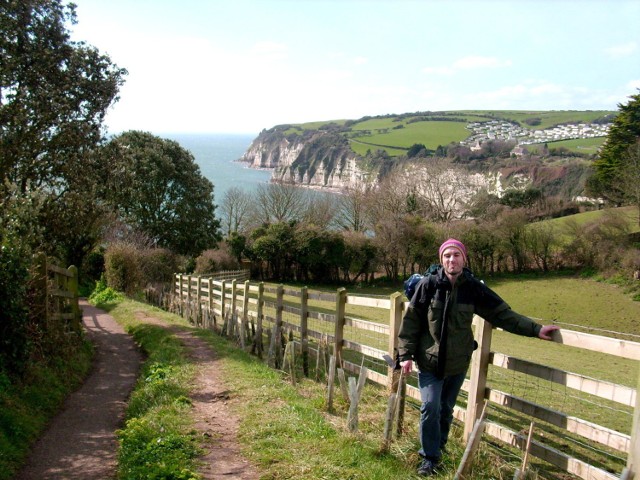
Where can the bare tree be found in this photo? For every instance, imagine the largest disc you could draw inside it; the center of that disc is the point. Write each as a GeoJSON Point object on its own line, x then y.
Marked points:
{"type": "Point", "coordinates": [389, 209]}
{"type": "Point", "coordinates": [352, 211]}
{"type": "Point", "coordinates": [542, 241]}
{"type": "Point", "coordinates": [281, 202]}
{"type": "Point", "coordinates": [443, 191]}
{"type": "Point", "coordinates": [320, 209]}
{"type": "Point", "coordinates": [512, 229]}
{"type": "Point", "coordinates": [234, 210]}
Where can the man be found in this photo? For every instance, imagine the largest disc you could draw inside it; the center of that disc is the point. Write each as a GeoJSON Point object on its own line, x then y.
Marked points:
{"type": "Point", "coordinates": [436, 333]}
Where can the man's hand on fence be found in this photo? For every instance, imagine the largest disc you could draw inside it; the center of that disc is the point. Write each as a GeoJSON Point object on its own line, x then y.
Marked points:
{"type": "Point", "coordinates": [546, 332]}
{"type": "Point", "coordinates": [406, 366]}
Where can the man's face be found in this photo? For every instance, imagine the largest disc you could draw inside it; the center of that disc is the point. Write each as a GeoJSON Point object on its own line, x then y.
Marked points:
{"type": "Point", "coordinates": [452, 260]}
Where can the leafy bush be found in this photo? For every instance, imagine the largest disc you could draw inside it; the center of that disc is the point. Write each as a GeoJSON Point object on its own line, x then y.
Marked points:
{"type": "Point", "coordinates": [158, 265]}
{"type": "Point", "coordinates": [123, 269]}
{"type": "Point", "coordinates": [103, 294]}
{"type": "Point", "coordinates": [216, 260]}
{"type": "Point", "coordinates": [13, 308]}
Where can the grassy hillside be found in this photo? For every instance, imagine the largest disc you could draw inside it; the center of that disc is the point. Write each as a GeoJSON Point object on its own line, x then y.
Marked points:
{"type": "Point", "coordinates": [630, 213]}
{"type": "Point", "coordinates": [396, 133]}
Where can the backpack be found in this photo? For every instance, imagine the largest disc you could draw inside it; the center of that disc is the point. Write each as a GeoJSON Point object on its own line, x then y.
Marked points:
{"type": "Point", "coordinates": [411, 282]}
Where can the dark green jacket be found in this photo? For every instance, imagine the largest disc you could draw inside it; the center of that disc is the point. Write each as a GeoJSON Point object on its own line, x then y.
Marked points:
{"type": "Point", "coordinates": [422, 330]}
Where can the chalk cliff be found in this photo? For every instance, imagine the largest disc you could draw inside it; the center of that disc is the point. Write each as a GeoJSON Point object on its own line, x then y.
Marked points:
{"type": "Point", "coordinates": [324, 159]}
{"type": "Point", "coordinates": [314, 158]}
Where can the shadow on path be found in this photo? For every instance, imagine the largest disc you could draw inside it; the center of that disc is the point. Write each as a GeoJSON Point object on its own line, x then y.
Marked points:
{"type": "Point", "coordinates": [80, 442]}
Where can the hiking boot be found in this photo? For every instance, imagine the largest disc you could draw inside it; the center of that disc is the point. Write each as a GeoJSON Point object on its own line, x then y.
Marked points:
{"type": "Point", "coordinates": [428, 467]}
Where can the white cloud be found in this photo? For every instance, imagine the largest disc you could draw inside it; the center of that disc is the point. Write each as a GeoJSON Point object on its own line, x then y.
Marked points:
{"type": "Point", "coordinates": [360, 60]}
{"type": "Point", "coordinates": [622, 50]}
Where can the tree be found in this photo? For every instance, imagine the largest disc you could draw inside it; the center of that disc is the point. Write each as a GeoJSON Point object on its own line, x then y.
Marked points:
{"type": "Point", "coordinates": [54, 94]}
{"type": "Point", "coordinates": [629, 177]}
{"type": "Point", "coordinates": [443, 190]}
{"type": "Point", "coordinates": [156, 187]}
{"type": "Point", "coordinates": [542, 241]}
{"type": "Point", "coordinates": [482, 243]}
{"type": "Point", "coordinates": [388, 211]}
{"type": "Point", "coordinates": [416, 150]}
{"type": "Point", "coordinates": [235, 207]}
{"type": "Point", "coordinates": [319, 210]}
{"type": "Point", "coordinates": [352, 211]}
{"type": "Point", "coordinates": [609, 166]}
{"type": "Point", "coordinates": [513, 232]}
{"type": "Point", "coordinates": [280, 202]}
{"type": "Point", "coordinates": [318, 253]}
{"type": "Point", "coordinates": [276, 246]}
{"type": "Point", "coordinates": [359, 257]}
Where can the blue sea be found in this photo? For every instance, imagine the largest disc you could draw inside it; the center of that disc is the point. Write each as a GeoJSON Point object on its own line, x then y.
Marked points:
{"type": "Point", "coordinates": [216, 155]}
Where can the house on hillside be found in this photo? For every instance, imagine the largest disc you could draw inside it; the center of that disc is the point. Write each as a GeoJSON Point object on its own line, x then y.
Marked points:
{"type": "Point", "coordinates": [476, 147]}
{"type": "Point", "coordinates": [519, 150]}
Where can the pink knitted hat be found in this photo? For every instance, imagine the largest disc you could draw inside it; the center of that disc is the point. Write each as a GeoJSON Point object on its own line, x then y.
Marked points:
{"type": "Point", "coordinates": [452, 242]}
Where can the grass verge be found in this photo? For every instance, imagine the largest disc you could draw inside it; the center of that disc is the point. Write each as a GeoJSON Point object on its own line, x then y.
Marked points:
{"type": "Point", "coordinates": [28, 404]}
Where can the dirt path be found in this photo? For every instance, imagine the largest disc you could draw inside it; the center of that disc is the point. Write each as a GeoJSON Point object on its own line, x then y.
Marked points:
{"type": "Point", "coordinates": [213, 417]}
{"type": "Point", "coordinates": [80, 442]}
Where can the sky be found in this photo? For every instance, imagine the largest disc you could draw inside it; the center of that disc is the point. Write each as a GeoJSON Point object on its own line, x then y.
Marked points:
{"type": "Point", "coordinates": [240, 66]}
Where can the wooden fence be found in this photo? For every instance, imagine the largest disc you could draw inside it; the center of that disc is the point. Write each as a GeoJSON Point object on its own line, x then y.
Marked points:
{"type": "Point", "coordinates": [58, 290]}
{"type": "Point", "coordinates": [254, 312]}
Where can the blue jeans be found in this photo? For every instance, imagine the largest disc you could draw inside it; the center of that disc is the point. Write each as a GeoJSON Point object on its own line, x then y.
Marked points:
{"type": "Point", "coordinates": [436, 413]}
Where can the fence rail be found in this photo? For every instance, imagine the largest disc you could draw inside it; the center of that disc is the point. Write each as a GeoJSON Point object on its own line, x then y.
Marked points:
{"type": "Point", "coordinates": [255, 313]}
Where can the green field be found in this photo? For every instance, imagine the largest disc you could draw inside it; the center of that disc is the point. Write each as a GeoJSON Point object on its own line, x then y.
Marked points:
{"type": "Point", "coordinates": [430, 134]}
{"type": "Point", "coordinates": [589, 146]}
{"type": "Point", "coordinates": [396, 133]}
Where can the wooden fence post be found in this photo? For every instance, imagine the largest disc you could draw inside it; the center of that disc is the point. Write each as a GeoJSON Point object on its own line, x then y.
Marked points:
{"type": "Point", "coordinates": [233, 323]}
{"type": "Point", "coordinates": [331, 375]}
{"type": "Point", "coordinates": [633, 459]}
{"type": "Point", "coordinates": [199, 301]}
{"type": "Point", "coordinates": [472, 445]}
{"type": "Point", "coordinates": [223, 303]}
{"type": "Point", "coordinates": [245, 312]}
{"type": "Point", "coordinates": [277, 344]}
{"type": "Point", "coordinates": [304, 329]}
{"type": "Point", "coordinates": [395, 319]}
{"type": "Point", "coordinates": [396, 383]}
{"type": "Point", "coordinates": [478, 377]}
{"type": "Point", "coordinates": [341, 302]}
{"type": "Point", "coordinates": [212, 314]}
{"type": "Point", "coordinates": [258, 339]}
